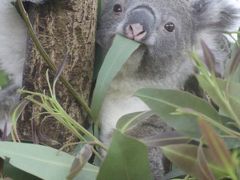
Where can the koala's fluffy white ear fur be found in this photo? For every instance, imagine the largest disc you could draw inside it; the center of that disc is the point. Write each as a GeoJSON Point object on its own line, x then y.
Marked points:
{"type": "Point", "coordinates": [216, 14]}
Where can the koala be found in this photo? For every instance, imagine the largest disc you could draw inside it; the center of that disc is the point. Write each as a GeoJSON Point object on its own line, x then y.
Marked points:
{"type": "Point", "coordinates": [13, 36]}
{"type": "Point", "coordinates": [167, 30]}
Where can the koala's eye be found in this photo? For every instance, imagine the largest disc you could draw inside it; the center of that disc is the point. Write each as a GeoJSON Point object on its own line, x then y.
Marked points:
{"type": "Point", "coordinates": [117, 8]}
{"type": "Point", "coordinates": [169, 27]}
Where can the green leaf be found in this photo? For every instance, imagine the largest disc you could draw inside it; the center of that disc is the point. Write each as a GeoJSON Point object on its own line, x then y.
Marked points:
{"type": "Point", "coordinates": [235, 62]}
{"type": "Point", "coordinates": [235, 105]}
{"type": "Point", "coordinates": [174, 173]}
{"type": "Point", "coordinates": [130, 120]}
{"type": "Point", "coordinates": [165, 138]}
{"type": "Point", "coordinates": [203, 164]}
{"type": "Point", "coordinates": [185, 156]}
{"type": "Point", "coordinates": [218, 96]}
{"type": "Point", "coordinates": [231, 88]}
{"type": "Point", "coordinates": [81, 160]}
{"type": "Point", "coordinates": [43, 162]}
{"type": "Point", "coordinates": [217, 148]}
{"type": "Point", "coordinates": [166, 102]}
{"type": "Point", "coordinates": [3, 79]}
{"type": "Point", "coordinates": [232, 142]}
{"type": "Point", "coordinates": [126, 160]}
{"type": "Point", "coordinates": [16, 174]}
{"type": "Point", "coordinates": [118, 54]}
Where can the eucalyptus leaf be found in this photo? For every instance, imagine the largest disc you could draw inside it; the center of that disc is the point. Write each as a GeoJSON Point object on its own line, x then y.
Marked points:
{"type": "Point", "coordinates": [166, 102]}
{"type": "Point", "coordinates": [203, 164]}
{"type": "Point", "coordinates": [217, 95]}
{"type": "Point", "coordinates": [232, 142]}
{"type": "Point", "coordinates": [235, 75]}
{"type": "Point", "coordinates": [217, 149]}
{"type": "Point", "coordinates": [174, 173]}
{"type": "Point", "coordinates": [118, 54]}
{"type": "Point", "coordinates": [235, 105]}
{"type": "Point", "coordinates": [43, 162]}
{"type": "Point", "coordinates": [3, 79]}
{"type": "Point", "coordinates": [126, 159]}
{"type": "Point", "coordinates": [165, 138]}
{"type": "Point", "coordinates": [231, 88]}
{"type": "Point", "coordinates": [185, 156]}
{"type": "Point", "coordinates": [16, 174]}
{"type": "Point", "coordinates": [130, 120]}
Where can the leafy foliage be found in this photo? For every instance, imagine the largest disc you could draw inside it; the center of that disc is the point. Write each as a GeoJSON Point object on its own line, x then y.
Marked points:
{"type": "Point", "coordinates": [215, 131]}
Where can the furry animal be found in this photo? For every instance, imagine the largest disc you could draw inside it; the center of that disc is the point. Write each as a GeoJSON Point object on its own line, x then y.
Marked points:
{"type": "Point", "coordinates": [168, 30]}
{"type": "Point", "coordinates": [13, 35]}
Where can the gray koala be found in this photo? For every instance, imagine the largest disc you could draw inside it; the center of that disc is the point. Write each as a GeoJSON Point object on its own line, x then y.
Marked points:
{"type": "Point", "coordinates": [13, 36]}
{"type": "Point", "coordinates": [168, 30]}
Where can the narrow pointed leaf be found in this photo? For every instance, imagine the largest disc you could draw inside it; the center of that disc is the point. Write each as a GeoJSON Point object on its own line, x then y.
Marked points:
{"type": "Point", "coordinates": [203, 164]}
{"type": "Point", "coordinates": [130, 120]}
{"type": "Point", "coordinates": [217, 95]}
{"type": "Point", "coordinates": [208, 57]}
{"type": "Point", "coordinates": [235, 63]}
{"type": "Point", "coordinates": [18, 111]}
{"type": "Point", "coordinates": [235, 105]}
{"type": "Point", "coordinates": [118, 54]}
{"type": "Point", "coordinates": [165, 138]}
{"type": "Point", "coordinates": [81, 160]}
{"type": "Point", "coordinates": [186, 158]}
{"type": "Point", "coordinates": [216, 146]}
{"type": "Point", "coordinates": [232, 142]}
{"type": "Point", "coordinates": [231, 88]}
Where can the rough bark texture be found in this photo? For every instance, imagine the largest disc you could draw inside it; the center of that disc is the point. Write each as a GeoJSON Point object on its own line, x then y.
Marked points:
{"type": "Point", "coordinates": [65, 29]}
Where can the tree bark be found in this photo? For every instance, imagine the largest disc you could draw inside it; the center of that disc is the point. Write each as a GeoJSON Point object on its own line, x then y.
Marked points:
{"type": "Point", "coordinates": [66, 29]}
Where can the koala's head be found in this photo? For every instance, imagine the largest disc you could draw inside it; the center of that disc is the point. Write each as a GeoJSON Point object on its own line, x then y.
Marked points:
{"type": "Point", "coordinates": [164, 26]}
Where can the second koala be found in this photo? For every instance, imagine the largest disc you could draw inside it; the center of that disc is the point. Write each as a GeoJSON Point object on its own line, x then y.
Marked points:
{"type": "Point", "coordinates": [13, 38]}
{"type": "Point", "coordinates": [168, 30]}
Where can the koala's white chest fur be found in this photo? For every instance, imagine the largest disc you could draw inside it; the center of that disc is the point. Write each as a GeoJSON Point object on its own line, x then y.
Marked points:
{"type": "Point", "coordinates": [120, 99]}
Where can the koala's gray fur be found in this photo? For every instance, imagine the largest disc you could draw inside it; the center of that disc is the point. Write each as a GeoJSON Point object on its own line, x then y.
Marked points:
{"type": "Point", "coordinates": [163, 59]}
{"type": "Point", "coordinates": [13, 35]}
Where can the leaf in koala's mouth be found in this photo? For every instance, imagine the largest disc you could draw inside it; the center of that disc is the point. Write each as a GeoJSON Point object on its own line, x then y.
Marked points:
{"type": "Point", "coordinates": [121, 49]}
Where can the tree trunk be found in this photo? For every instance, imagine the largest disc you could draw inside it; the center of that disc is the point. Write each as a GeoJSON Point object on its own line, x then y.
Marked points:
{"type": "Point", "coordinates": [66, 29]}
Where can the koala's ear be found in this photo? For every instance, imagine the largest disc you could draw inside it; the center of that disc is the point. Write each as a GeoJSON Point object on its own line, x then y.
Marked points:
{"type": "Point", "coordinates": [217, 14]}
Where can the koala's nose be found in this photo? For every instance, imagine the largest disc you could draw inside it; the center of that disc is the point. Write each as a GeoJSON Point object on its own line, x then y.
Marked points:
{"type": "Point", "coordinates": [139, 23]}
{"type": "Point", "coordinates": [135, 32]}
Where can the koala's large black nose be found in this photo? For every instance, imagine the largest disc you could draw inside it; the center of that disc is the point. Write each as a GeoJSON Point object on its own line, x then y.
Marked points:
{"type": "Point", "coordinates": [140, 21]}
